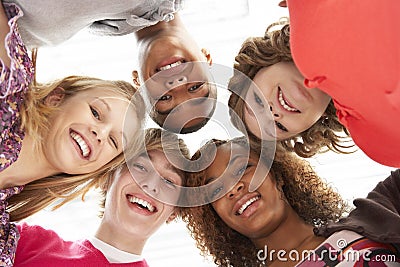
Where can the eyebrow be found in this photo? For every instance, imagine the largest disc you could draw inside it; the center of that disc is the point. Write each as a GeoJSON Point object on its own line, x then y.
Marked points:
{"type": "Point", "coordinates": [169, 167]}
{"type": "Point", "coordinates": [236, 157]}
{"type": "Point", "coordinates": [104, 102]}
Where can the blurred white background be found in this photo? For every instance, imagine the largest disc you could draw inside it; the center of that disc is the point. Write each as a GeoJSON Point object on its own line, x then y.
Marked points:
{"type": "Point", "coordinates": [221, 26]}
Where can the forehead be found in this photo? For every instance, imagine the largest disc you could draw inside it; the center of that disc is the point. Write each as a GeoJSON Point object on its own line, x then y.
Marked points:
{"type": "Point", "coordinates": [161, 163]}
{"type": "Point", "coordinates": [228, 154]}
{"type": "Point", "coordinates": [102, 92]}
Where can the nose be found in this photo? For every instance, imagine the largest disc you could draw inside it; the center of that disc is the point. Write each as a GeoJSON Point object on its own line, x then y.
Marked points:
{"type": "Point", "coordinates": [236, 189]}
{"type": "Point", "coordinates": [150, 185]}
{"type": "Point", "coordinates": [275, 114]}
{"type": "Point", "coordinates": [100, 133]}
{"type": "Point", "coordinates": [175, 81]}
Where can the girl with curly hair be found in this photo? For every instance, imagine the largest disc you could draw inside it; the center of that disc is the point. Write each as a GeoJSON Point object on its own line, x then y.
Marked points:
{"type": "Point", "coordinates": [354, 57]}
{"type": "Point", "coordinates": [243, 228]}
{"type": "Point", "coordinates": [303, 120]}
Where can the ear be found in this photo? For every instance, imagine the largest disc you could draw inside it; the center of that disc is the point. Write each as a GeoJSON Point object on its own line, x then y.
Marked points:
{"type": "Point", "coordinates": [172, 217]}
{"type": "Point", "coordinates": [55, 97]}
{"type": "Point", "coordinates": [135, 78]}
{"type": "Point", "coordinates": [207, 54]}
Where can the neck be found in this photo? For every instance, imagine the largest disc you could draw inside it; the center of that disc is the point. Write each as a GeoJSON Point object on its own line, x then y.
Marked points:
{"type": "Point", "coordinates": [292, 234]}
{"type": "Point", "coordinates": [121, 240]}
{"type": "Point", "coordinates": [29, 158]}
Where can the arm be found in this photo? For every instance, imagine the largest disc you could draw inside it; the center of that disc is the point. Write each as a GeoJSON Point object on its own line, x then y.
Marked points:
{"type": "Point", "coordinates": [4, 30]}
{"type": "Point", "coordinates": [377, 216]}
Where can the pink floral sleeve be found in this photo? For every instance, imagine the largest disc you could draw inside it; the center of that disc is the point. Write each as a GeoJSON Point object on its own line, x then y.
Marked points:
{"type": "Point", "coordinates": [14, 82]}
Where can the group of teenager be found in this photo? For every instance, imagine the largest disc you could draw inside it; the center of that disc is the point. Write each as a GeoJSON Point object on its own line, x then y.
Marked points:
{"type": "Point", "coordinates": [316, 82]}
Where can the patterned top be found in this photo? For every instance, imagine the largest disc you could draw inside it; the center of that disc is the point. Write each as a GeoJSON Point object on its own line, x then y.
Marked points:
{"type": "Point", "coordinates": [14, 82]}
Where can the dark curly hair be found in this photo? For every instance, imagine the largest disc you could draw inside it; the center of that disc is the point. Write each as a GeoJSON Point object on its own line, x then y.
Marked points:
{"type": "Point", "coordinates": [259, 52]}
{"type": "Point", "coordinates": [310, 196]}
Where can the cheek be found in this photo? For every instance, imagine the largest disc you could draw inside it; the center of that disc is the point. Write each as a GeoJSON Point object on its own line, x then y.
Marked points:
{"type": "Point", "coordinates": [321, 100]}
{"type": "Point", "coordinates": [221, 209]}
{"type": "Point", "coordinates": [107, 155]}
{"type": "Point", "coordinates": [252, 124]}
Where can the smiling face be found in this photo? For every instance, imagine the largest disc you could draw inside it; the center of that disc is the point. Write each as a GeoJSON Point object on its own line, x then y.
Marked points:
{"type": "Point", "coordinates": [129, 211]}
{"type": "Point", "coordinates": [181, 95]}
{"type": "Point", "coordinates": [281, 91]}
{"type": "Point", "coordinates": [176, 76]}
{"type": "Point", "coordinates": [253, 214]}
{"type": "Point", "coordinates": [87, 131]}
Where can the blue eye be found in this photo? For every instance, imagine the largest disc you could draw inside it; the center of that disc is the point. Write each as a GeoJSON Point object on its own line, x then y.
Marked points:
{"type": "Point", "coordinates": [258, 100]}
{"type": "Point", "coordinates": [95, 113]}
{"type": "Point", "coordinates": [139, 167]}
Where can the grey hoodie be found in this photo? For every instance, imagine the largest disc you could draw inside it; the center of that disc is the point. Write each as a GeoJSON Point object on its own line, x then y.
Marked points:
{"type": "Point", "coordinates": [51, 22]}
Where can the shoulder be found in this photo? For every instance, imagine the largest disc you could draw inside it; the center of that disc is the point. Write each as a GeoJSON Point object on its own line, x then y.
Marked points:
{"type": "Point", "coordinates": [38, 232]}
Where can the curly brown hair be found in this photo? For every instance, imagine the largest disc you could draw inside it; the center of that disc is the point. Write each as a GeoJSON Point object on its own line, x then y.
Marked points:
{"type": "Point", "coordinates": [310, 196]}
{"type": "Point", "coordinates": [259, 52]}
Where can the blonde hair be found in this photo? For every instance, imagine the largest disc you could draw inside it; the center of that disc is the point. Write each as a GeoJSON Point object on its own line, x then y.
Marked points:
{"type": "Point", "coordinates": [155, 139]}
{"type": "Point", "coordinates": [35, 122]}
{"type": "Point", "coordinates": [274, 47]}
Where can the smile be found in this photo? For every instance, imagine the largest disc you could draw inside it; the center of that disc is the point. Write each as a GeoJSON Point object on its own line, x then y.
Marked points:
{"type": "Point", "coordinates": [142, 203]}
{"type": "Point", "coordinates": [83, 146]}
{"type": "Point", "coordinates": [247, 204]}
{"type": "Point", "coordinates": [170, 66]}
{"type": "Point", "coordinates": [284, 104]}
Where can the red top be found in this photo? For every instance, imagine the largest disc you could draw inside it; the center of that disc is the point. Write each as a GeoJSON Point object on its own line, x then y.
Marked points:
{"type": "Point", "coordinates": [351, 50]}
{"type": "Point", "coordinates": [39, 247]}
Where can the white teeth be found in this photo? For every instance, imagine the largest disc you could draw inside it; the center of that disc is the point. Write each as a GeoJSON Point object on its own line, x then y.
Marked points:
{"type": "Point", "coordinates": [248, 203]}
{"type": "Point", "coordinates": [82, 144]}
{"type": "Point", "coordinates": [284, 104]}
{"type": "Point", "coordinates": [167, 67]}
{"type": "Point", "coordinates": [142, 203]}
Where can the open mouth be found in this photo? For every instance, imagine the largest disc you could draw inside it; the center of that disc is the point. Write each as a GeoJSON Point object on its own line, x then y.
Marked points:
{"type": "Point", "coordinates": [141, 203]}
{"type": "Point", "coordinates": [284, 103]}
{"type": "Point", "coordinates": [83, 146]}
{"type": "Point", "coordinates": [247, 204]}
{"type": "Point", "coordinates": [169, 65]}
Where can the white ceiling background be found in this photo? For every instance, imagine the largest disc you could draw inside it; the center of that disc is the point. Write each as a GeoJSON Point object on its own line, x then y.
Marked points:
{"type": "Point", "coordinates": [221, 26]}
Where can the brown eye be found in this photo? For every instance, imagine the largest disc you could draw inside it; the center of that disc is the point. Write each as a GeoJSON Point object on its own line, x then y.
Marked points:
{"type": "Point", "coordinates": [165, 98]}
{"type": "Point", "coordinates": [195, 87]}
{"type": "Point", "coordinates": [281, 127]}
